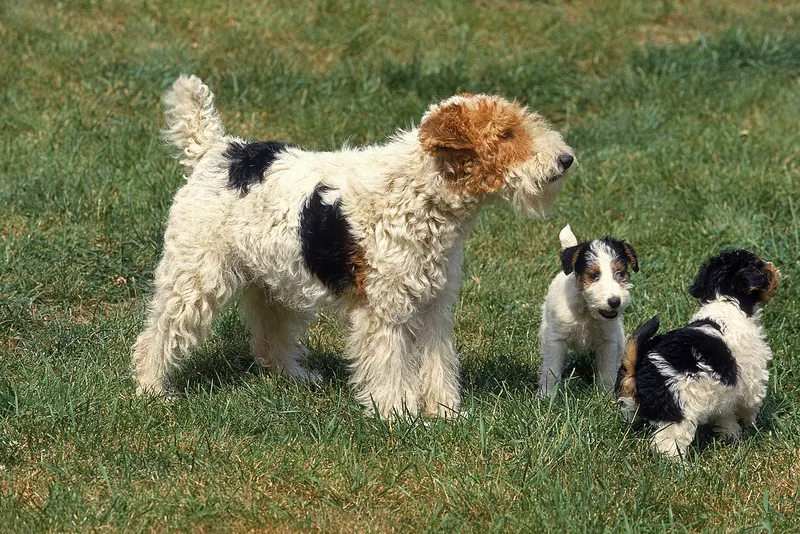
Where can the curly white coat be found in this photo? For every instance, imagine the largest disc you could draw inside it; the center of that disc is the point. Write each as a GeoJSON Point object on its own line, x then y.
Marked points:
{"type": "Point", "coordinates": [409, 204]}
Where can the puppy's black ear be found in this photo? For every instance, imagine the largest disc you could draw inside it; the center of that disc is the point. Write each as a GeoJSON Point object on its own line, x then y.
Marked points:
{"type": "Point", "coordinates": [631, 254]}
{"type": "Point", "coordinates": [698, 290]}
{"type": "Point", "coordinates": [569, 257]}
{"type": "Point", "coordinates": [709, 278]}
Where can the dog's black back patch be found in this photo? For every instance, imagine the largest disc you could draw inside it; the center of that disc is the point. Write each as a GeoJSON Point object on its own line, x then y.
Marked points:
{"type": "Point", "coordinates": [688, 351]}
{"type": "Point", "coordinates": [327, 242]}
{"type": "Point", "coordinates": [249, 161]}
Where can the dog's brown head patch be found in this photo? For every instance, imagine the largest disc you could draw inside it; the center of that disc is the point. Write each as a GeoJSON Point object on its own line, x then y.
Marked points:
{"type": "Point", "coordinates": [477, 139]}
{"type": "Point", "coordinates": [620, 270]}
{"type": "Point", "coordinates": [590, 275]}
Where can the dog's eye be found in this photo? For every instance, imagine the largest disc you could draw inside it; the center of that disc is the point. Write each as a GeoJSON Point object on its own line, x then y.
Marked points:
{"type": "Point", "coordinates": [506, 134]}
{"type": "Point", "coordinates": [619, 275]}
{"type": "Point", "coordinates": [594, 277]}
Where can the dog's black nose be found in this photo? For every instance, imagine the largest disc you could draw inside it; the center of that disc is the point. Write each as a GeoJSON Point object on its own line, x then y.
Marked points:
{"type": "Point", "coordinates": [614, 302]}
{"type": "Point", "coordinates": [565, 161]}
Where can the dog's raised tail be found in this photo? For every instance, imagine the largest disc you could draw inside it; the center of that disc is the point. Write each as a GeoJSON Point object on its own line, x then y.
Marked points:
{"type": "Point", "coordinates": [626, 378]}
{"type": "Point", "coordinates": [193, 124]}
{"type": "Point", "coordinates": [567, 238]}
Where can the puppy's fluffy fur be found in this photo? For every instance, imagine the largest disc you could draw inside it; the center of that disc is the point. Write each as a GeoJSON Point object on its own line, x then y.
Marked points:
{"type": "Point", "coordinates": [373, 233]}
{"type": "Point", "coordinates": [584, 305]}
{"type": "Point", "coordinates": [714, 370]}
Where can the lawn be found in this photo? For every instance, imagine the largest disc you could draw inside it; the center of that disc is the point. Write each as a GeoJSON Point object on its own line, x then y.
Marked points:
{"type": "Point", "coordinates": [684, 116]}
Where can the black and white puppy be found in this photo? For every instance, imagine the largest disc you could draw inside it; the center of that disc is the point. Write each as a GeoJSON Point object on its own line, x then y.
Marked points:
{"type": "Point", "coordinates": [584, 305]}
{"type": "Point", "coordinates": [714, 370]}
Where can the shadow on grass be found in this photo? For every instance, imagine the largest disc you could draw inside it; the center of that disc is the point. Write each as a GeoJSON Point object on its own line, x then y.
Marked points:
{"type": "Point", "coordinates": [212, 371]}
{"type": "Point", "coordinates": [507, 373]}
{"type": "Point", "coordinates": [230, 364]}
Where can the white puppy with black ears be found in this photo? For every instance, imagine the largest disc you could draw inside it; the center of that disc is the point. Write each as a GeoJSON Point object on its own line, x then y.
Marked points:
{"type": "Point", "coordinates": [372, 233]}
{"type": "Point", "coordinates": [584, 305]}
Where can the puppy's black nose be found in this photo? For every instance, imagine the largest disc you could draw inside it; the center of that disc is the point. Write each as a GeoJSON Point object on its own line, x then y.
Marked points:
{"type": "Point", "coordinates": [614, 302]}
{"type": "Point", "coordinates": [565, 161]}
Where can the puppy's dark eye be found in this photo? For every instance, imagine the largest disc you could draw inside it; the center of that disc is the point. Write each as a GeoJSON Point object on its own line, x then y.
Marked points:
{"type": "Point", "coordinates": [594, 277]}
{"type": "Point", "coordinates": [507, 134]}
{"type": "Point", "coordinates": [620, 275]}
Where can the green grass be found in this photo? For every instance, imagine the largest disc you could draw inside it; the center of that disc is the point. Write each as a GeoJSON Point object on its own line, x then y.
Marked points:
{"type": "Point", "coordinates": [684, 116]}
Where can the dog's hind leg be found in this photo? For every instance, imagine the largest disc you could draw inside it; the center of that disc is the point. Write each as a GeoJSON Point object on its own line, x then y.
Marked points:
{"type": "Point", "coordinates": [673, 439]}
{"type": "Point", "coordinates": [187, 296]}
{"type": "Point", "coordinates": [385, 371]}
{"type": "Point", "coordinates": [748, 412]}
{"type": "Point", "coordinates": [727, 426]}
{"type": "Point", "coordinates": [274, 332]}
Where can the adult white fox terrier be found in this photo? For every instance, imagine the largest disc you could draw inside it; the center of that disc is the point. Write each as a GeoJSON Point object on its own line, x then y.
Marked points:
{"type": "Point", "coordinates": [374, 233]}
{"type": "Point", "coordinates": [714, 370]}
{"type": "Point", "coordinates": [584, 305]}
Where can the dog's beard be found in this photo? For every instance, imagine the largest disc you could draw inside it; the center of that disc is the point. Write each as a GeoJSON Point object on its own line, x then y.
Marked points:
{"type": "Point", "coordinates": [533, 199]}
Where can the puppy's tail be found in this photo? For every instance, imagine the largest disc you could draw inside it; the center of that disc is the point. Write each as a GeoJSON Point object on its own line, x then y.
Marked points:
{"type": "Point", "coordinates": [193, 124]}
{"type": "Point", "coordinates": [626, 377]}
{"type": "Point", "coordinates": [567, 238]}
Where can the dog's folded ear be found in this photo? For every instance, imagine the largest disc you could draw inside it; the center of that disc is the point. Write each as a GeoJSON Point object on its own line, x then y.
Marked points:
{"type": "Point", "coordinates": [447, 127]}
{"type": "Point", "coordinates": [699, 288]}
{"type": "Point", "coordinates": [569, 257]}
{"type": "Point", "coordinates": [477, 139]}
{"type": "Point", "coordinates": [630, 253]}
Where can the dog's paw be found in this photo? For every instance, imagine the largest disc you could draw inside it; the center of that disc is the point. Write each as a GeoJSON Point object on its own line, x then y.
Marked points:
{"type": "Point", "coordinates": [444, 405]}
{"type": "Point", "coordinates": [673, 440]}
{"type": "Point", "coordinates": [670, 450]}
{"type": "Point", "coordinates": [546, 391]}
{"type": "Point", "coordinates": [729, 432]}
{"type": "Point", "coordinates": [445, 412]}
{"type": "Point", "coordinates": [399, 410]}
{"type": "Point", "coordinates": [151, 388]}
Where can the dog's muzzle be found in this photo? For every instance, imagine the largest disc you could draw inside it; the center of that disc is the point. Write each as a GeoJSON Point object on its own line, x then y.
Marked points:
{"type": "Point", "coordinates": [564, 163]}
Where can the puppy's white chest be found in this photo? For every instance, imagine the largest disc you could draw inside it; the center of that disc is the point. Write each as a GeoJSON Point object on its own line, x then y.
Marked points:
{"type": "Point", "coordinates": [586, 335]}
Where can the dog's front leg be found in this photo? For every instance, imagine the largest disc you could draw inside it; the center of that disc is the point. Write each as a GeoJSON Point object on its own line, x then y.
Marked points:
{"type": "Point", "coordinates": [385, 370]}
{"type": "Point", "coordinates": [439, 367]}
{"type": "Point", "coordinates": [608, 358]}
{"type": "Point", "coordinates": [553, 353]}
